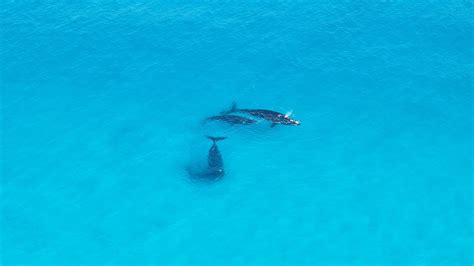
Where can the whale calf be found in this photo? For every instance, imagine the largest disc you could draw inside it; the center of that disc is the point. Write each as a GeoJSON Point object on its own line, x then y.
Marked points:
{"type": "Point", "coordinates": [272, 116]}
{"type": "Point", "coordinates": [232, 119]}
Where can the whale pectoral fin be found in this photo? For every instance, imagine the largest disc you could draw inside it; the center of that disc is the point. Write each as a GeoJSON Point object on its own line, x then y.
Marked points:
{"type": "Point", "coordinates": [273, 125]}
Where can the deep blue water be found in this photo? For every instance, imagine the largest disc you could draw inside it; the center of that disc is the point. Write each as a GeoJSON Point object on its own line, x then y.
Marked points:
{"type": "Point", "coordinates": [102, 107]}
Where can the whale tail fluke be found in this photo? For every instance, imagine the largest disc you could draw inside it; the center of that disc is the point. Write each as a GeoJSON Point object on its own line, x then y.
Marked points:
{"type": "Point", "coordinates": [232, 109]}
{"type": "Point", "coordinates": [216, 139]}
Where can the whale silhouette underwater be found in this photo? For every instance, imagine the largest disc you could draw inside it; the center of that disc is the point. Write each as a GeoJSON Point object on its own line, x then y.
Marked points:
{"type": "Point", "coordinates": [232, 119]}
{"type": "Point", "coordinates": [215, 165]}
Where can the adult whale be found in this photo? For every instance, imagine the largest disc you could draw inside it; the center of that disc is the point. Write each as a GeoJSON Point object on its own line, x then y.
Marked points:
{"type": "Point", "coordinates": [215, 165]}
{"type": "Point", "coordinates": [232, 119]}
{"type": "Point", "coordinates": [272, 116]}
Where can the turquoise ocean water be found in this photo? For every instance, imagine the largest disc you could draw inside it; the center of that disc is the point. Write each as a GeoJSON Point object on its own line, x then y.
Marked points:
{"type": "Point", "coordinates": [102, 104]}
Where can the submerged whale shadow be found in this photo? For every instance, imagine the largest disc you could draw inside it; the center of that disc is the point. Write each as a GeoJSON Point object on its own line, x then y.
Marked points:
{"type": "Point", "coordinates": [215, 166]}
{"type": "Point", "coordinates": [198, 172]}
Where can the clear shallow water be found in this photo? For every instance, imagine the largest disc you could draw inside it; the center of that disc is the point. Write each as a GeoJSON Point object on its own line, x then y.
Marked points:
{"type": "Point", "coordinates": [102, 105]}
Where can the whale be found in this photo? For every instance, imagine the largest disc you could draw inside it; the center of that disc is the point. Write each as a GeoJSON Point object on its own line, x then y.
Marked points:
{"type": "Point", "coordinates": [232, 119]}
{"type": "Point", "coordinates": [215, 165]}
{"type": "Point", "coordinates": [275, 118]}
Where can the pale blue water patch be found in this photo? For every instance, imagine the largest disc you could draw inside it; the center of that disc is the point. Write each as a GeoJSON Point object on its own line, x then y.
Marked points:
{"type": "Point", "coordinates": [102, 111]}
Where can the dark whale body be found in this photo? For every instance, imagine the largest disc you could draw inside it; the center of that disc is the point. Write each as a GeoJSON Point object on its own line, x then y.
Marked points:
{"type": "Point", "coordinates": [215, 164]}
{"type": "Point", "coordinates": [232, 119]}
{"type": "Point", "coordinates": [272, 116]}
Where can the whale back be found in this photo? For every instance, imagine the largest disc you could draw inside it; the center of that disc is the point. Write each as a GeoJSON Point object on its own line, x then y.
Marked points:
{"type": "Point", "coordinates": [214, 158]}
